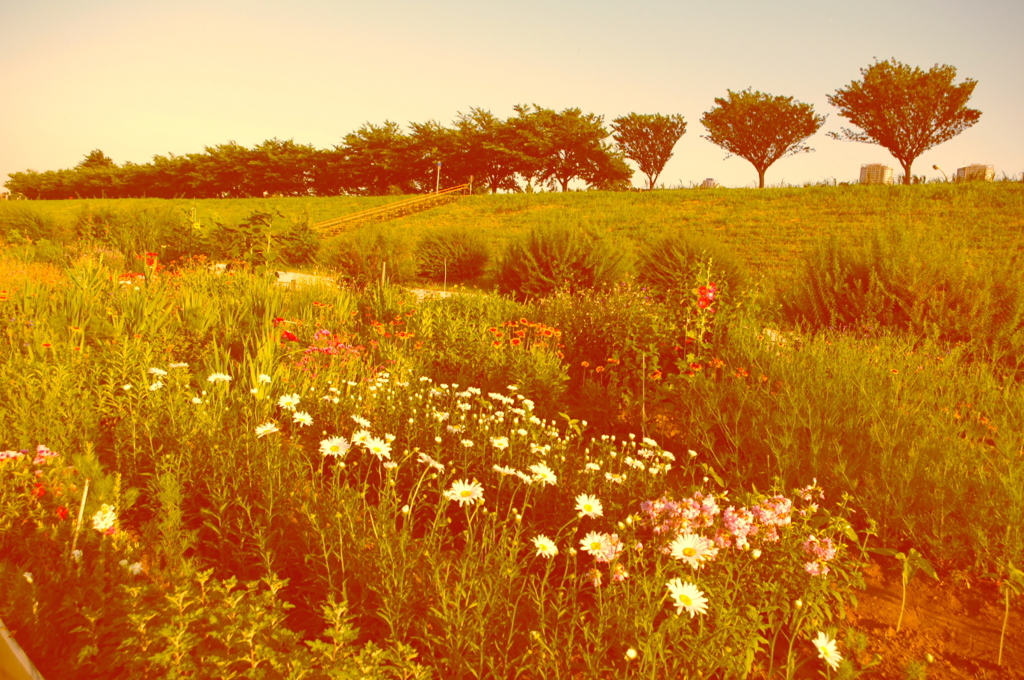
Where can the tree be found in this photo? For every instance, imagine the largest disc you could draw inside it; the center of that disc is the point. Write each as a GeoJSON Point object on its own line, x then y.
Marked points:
{"type": "Point", "coordinates": [96, 159]}
{"type": "Point", "coordinates": [647, 140]}
{"type": "Point", "coordinates": [485, 146]}
{"type": "Point", "coordinates": [375, 160]}
{"type": "Point", "coordinates": [427, 145]}
{"type": "Point", "coordinates": [562, 146]}
{"type": "Point", "coordinates": [904, 109]}
{"type": "Point", "coordinates": [760, 127]}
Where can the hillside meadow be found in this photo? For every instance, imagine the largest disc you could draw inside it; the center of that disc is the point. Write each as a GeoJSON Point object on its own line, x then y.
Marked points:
{"type": "Point", "coordinates": [635, 435]}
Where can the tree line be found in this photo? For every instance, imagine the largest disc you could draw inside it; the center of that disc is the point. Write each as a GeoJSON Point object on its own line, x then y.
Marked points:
{"type": "Point", "coordinates": [904, 109]}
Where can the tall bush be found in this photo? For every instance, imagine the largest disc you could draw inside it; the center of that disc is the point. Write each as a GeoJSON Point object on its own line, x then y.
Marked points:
{"type": "Point", "coordinates": [561, 257]}
{"type": "Point", "coordinates": [915, 282]}
{"type": "Point", "coordinates": [370, 254]}
{"type": "Point", "coordinates": [452, 254]}
{"type": "Point", "coordinates": [669, 263]}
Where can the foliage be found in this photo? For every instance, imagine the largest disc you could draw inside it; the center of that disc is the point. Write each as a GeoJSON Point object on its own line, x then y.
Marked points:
{"type": "Point", "coordinates": [647, 140]}
{"type": "Point", "coordinates": [332, 458]}
{"type": "Point", "coordinates": [558, 257]}
{"type": "Point", "coordinates": [566, 145]}
{"type": "Point", "coordinates": [373, 160]}
{"type": "Point", "coordinates": [372, 253]}
{"type": "Point", "coordinates": [259, 242]}
{"type": "Point", "coordinates": [760, 127]}
{"type": "Point", "coordinates": [452, 254]}
{"type": "Point", "coordinates": [905, 110]}
{"type": "Point", "coordinates": [487, 150]}
{"type": "Point", "coordinates": [916, 283]}
{"type": "Point", "coordinates": [670, 262]}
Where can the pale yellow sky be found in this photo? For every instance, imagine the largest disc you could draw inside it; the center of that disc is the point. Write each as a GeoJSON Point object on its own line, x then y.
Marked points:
{"type": "Point", "coordinates": [139, 79]}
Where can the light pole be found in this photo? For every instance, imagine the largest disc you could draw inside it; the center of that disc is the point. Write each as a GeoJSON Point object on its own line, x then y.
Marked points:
{"type": "Point", "coordinates": [437, 185]}
{"type": "Point", "coordinates": [935, 167]}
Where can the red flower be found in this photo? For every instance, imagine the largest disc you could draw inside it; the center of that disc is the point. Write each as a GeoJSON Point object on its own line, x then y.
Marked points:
{"type": "Point", "coordinates": [278, 320]}
{"type": "Point", "coordinates": [39, 491]}
{"type": "Point", "coordinates": [515, 341]}
{"type": "Point", "coordinates": [288, 336]}
{"type": "Point", "coordinates": [62, 512]}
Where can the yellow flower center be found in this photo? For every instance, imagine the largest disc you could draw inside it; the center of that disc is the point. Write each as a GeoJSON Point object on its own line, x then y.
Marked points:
{"type": "Point", "coordinates": [465, 493]}
{"type": "Point", "coordinates": [689, 552]}
{"type": "Point", "coordinates": [685, 600]}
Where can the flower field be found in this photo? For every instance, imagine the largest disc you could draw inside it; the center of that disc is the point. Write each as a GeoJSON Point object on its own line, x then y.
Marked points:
{"type": "Point", "coordinates": [205, 474]}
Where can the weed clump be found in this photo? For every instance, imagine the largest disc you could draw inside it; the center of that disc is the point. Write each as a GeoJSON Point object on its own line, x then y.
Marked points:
{"type": "Point", "coordinates": [670, 263]}
{"type": "Point", "coordinates": [452, 254]}
{"type": "Point", "coordinates": [561, 257]}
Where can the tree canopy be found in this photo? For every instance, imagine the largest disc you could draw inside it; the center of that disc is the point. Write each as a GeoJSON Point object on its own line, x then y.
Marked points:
{"type": "Point", "coordinates": [760, 127]}
{"type": "Point", "coordinates": [648, 140]}
{"type": "Point", "coordinates": [561, 146]}
{"type": "Point", "coordinates": [904, 109]}
{"type": "Point", "coordinates": [537, 144]}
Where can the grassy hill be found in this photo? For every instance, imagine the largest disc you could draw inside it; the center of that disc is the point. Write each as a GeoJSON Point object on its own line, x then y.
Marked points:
{"type": "Point", "coordinates": [768, 229]}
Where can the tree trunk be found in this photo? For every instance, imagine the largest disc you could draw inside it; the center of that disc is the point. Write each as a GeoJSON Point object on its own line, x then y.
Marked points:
{"type": "Point", "coordinates": [651, 179]}
{"type": "Point", "coordinates": [906, 171]}
{"type": "Point", "coordinates": [760, 178]}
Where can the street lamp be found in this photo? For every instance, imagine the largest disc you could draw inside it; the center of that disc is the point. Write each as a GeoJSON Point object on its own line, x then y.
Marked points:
{"type": "Point", "coordinates": [935, 167]}
{"type": "Point", "coordinates": [437, 185]}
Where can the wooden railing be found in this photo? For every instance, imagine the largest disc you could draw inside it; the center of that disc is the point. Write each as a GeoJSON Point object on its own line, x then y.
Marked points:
{"type": "Point", "coordinates": [391, 210]}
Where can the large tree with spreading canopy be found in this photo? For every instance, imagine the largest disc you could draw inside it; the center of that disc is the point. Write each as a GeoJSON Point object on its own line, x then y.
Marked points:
{"type": "Point", "coordinates": [904, 109]}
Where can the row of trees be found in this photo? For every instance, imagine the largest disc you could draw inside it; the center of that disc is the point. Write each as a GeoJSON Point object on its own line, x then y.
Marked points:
{"type": "Point", "coordinates": [901, 108]}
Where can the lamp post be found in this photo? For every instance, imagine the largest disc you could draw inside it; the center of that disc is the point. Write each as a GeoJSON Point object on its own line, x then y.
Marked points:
{"type": "Point", "coordinates": [935, 167]}
{"type": "Point", "coordinates": [437, 185]}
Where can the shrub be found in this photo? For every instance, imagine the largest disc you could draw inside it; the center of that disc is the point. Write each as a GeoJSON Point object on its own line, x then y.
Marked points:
{"type": "Point", "coordinates": [913, 282]}
{"type": "Point", "coordinates": [452, 254]}
{"type": "Point", "coordinates": [23, 224]}
{"type": "Point", "coordinates": [371, 253]}
{"type": "Point", "coordinates": [556, 257]}
{"type": "Point", "coordinates": [671, 262]}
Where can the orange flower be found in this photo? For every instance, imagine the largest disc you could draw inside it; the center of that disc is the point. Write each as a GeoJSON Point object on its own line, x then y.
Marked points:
{"type": "Point", "coordinates": [599, 369]}
{"type": "Point", "coordinates": [656, 375]}
{"type": "Point", "coordinates": [515, 341]}
{"type": "Point", "coordinates": [496, 343]}
{"type": "Point", "coordinates": [585, 364]}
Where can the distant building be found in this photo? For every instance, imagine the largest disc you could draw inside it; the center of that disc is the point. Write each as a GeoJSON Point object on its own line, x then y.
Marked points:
{"type": "Point", "coordinates": [709, 183]}
{"type": "Point", "coordinates": [985, 173]}
{"type": "Point", "coordinates": [875, 173]}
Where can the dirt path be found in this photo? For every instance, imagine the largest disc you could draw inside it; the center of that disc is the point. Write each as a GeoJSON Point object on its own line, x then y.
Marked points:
{"type": "Point", "coordinates": [956, 621]}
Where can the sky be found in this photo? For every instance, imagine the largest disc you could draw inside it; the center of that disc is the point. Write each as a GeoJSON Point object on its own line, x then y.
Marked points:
{"type": "Point", "coordinates": [137, 79]}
